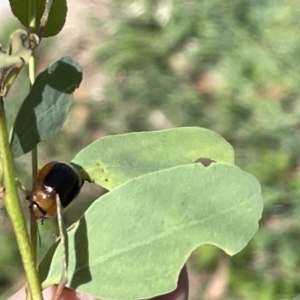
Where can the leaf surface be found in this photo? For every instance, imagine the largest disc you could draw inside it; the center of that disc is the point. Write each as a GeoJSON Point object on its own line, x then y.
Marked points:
{"type": "Point", "coordinates": [113, 160]}
{"type": "Point", "coordinates": [44, 110]}
{"type": "Point", "coordinates": [57, 16]}
{"type": "Point", "coordinates": [134, 240]}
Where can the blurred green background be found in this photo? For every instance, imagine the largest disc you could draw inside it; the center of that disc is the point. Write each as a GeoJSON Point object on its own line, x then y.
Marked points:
{"type": "Point", "coordinates": [230, 66]}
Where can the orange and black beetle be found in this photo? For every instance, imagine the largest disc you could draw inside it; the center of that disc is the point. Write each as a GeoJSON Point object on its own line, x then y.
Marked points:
{"type": "Point", "coordinates": [55, 178]}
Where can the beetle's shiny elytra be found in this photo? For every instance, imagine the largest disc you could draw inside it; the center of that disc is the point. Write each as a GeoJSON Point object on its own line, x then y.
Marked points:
{"type": "Point", "coordinates": [55, 178]}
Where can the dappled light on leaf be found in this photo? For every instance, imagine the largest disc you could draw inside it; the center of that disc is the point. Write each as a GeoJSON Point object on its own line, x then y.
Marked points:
{"type": "Point", "coordinates": [45, 109]}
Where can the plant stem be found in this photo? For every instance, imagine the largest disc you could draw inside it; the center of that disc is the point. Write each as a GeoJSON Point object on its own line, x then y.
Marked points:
{"type": "Point", "coordinates": [32, 15]}
{"type": "Point", "coordinates": [31, 74]}
{"type": "Point", "coordinates": [33, 224]}
{"type": "Point", "coordinates": [14, 209]}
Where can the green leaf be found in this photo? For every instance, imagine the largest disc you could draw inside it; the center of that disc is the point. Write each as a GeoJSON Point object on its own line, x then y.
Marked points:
{"type": "Point", "coordinates": [112, 160]}
{"type": "Point", "coordinates": [56, 20]}
{"type": "Point", "coordinates": [134, 240]}
{"type": "Point", "coordinates": [44, 110]}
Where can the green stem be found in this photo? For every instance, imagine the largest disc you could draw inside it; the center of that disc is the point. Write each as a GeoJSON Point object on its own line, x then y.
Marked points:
{"type": "Point", "coordinates": [32, 15]}
{"type": "Point", "coordinates": [14, 210]}
{"type": "Point", "coordinates": [33, 224]}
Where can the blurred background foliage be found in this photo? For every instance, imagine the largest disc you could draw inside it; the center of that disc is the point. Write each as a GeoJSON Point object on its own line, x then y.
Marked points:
{"type": "Point", "coordinates": [228, 66]}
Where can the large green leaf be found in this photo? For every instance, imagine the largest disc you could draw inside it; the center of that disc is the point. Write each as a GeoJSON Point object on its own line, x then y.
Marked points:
{"type": "Point", "coordinates": [57, 16]}
{"type": "Point", "coordinates": [113, 160]}
{"type": "Point", "coordinates": [134, 240]}
{"type": "Point", "coordinates": [44, 110]}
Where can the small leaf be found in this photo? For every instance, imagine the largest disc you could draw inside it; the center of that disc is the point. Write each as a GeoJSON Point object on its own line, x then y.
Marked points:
{"type": "Point", "coordinates": [134, 240]}
{"type": "Point", "coordinates": [44, 110]}
{"type": "Point", "coordinates": [113, 160]}
{"type": "Point", "coordinates": [57, 16]}
{"type": "Point", "coordinates": [21, 47]}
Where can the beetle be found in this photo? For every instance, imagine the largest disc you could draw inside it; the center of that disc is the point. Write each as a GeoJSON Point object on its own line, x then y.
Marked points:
{"type": "Point", "coordinates": [55, 178]}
